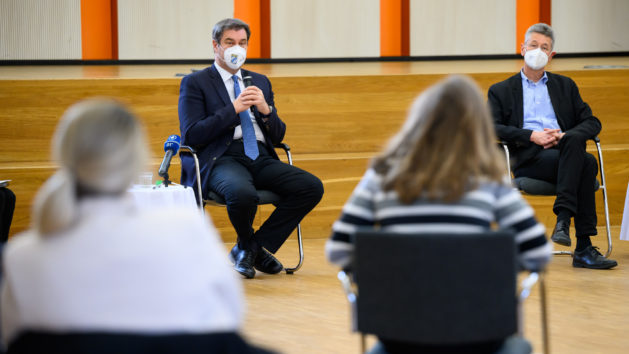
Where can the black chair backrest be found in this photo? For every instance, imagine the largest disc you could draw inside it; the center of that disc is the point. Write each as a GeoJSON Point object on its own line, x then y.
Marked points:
{"type": "Point", "coordinates": [436, 288]}
{"type": "Point", "coordinates": [35, 342]}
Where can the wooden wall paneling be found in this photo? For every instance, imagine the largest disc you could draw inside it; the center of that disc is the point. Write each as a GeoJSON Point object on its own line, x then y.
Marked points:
{"type": "Point", "coordinates": [32, 108]}
{"type": "Point", "coordinates": [335, 125]}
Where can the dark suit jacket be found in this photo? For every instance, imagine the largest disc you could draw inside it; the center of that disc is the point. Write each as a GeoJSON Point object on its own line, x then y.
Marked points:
{"type": "Point", "coordinates": [506, 102]}
{"type": "Point", "coordinates": [207, 120]}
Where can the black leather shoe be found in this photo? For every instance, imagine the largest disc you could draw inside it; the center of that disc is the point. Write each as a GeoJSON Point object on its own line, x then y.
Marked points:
{"type": "Point", "coordinates": [267, 263]}
{"type": "Point", "coordinates": [561, 233]}
{"type": "Point", "coordinates": [233, 253]}
{"type": "Point", "coordinates": [591, 258]}
{"type": "Point", "coordinates": [243, 261]}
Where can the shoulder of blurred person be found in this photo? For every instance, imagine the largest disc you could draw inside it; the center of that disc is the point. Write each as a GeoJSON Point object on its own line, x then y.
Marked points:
{"type": "Point", "coordinates": [123, 268]}
{"type": "Point", "coordinates": [110, 219]}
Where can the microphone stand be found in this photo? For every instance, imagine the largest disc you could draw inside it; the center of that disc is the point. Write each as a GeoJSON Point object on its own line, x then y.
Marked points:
{"type": "Point", "coordinates": [166, 181]}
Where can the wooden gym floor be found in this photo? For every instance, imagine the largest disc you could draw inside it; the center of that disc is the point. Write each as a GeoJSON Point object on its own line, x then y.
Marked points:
{"type": "Point", "coordinates": [45, 72]}
{"type": "Point", "coordinates": [307, 312]}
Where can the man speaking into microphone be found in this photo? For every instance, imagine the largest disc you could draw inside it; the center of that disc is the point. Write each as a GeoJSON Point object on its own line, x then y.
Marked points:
{"type": "Point", "coordinates": [234, 127]}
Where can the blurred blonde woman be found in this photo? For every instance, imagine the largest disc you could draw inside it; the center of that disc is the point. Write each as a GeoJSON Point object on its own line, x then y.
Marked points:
{"type": "Point", "coordinates": [441, 173]}
{"type": "Point", "coordinates": [94, 264]}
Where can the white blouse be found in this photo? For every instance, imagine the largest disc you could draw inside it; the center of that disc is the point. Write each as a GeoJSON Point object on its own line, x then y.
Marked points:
{"type": "Point", "coordinates": [121, 269]}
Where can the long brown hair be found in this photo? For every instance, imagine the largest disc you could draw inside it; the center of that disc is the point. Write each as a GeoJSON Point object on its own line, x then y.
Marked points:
{"type": "Point", "coordinates": [446, 146]}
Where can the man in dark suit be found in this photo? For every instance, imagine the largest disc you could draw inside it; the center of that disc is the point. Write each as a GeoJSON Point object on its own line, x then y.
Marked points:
{"type": "Point", "coordinates": [234, 128]}
{"type": "Point", "coordinates": [546, 123]}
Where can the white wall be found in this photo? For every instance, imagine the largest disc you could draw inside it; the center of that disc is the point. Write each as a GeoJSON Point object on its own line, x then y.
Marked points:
{"type": "Point", "coordinates": [325, 28]}
{"type": "Point", "coordinates": [169, 29]}
{"type": "Point", "coordinates": [462, 27]}
{"type": "Point", "coordinates": [181, 29]}
{"type": "Point", "coordinates": [40, 29]}
{"type": "Point", "coordinates": [584, 26]}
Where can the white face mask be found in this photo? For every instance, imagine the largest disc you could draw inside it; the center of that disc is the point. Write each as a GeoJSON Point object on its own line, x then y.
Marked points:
{"type": "Point", "coordinates": [535, 59]}
{"type": "Point", "coordinates": [235, 56]}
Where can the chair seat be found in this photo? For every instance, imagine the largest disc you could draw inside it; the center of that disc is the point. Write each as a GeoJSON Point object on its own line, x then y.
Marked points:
{"type": "Point", "coordinates": [266, 197]}
{"type": "Point", "coordinates": [538, 187]}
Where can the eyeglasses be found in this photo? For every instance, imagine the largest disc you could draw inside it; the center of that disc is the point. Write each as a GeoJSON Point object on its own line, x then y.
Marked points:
{"type": "Point", "coordinates": [534, 45]}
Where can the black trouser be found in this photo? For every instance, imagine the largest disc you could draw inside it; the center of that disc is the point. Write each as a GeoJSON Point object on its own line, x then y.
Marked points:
{"type": "Point", "coordinates": [236, 177]}
{"type": "Point", "coordinates": [574, 172]}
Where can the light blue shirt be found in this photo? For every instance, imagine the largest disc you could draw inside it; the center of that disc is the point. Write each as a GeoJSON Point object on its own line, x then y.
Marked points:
{"type": "Point", "coordinates": [538, 110]}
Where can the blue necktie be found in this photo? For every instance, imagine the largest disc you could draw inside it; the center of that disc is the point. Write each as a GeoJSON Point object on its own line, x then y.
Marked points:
{"type": "Point", "coordinates": [248, 134]}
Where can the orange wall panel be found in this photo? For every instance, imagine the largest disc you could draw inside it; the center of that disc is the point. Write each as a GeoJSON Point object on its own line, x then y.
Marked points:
{"type": "Point", "coordinates": [99, 29]}
{"type": "Point", "coordinates": [394, 28]}
{"type": "Point", "coordinates": [256, 13]}
{"type": "Point", "coordinates": [529, 12]}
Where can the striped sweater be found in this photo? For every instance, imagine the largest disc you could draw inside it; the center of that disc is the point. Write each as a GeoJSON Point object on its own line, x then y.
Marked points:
{"type": "Point", "coordinates": [490, 204]}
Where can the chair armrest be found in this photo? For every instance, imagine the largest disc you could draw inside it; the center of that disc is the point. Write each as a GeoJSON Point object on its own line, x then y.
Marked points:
{"type": "Point", "coordinates": [505, 147]}
{"type": "Point", "coordinates": [351, 292]}
{"type": "Point", "coordinates": [527, 285]}
{"type": "Point", "coordinates": [190, 150]}
{"type": "Point", "coordinates": [282, 146]}
{"type": "Point", "coordinates": [348, 286]}
{"type": "Point", "coordinates": [187, 148]}
{"type": "Point", "coordinates": [286, 149]}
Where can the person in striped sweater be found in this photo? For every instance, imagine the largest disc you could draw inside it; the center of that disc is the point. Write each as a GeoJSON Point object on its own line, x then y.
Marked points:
{"type": "Point", "coordinates": [442, 172]}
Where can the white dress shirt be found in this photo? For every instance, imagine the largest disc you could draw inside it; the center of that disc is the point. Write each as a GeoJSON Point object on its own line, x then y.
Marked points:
{"type": "Point", "coordinates": [122, 269]}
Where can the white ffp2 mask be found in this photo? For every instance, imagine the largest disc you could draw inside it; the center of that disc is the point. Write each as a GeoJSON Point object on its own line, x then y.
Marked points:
{"type": "Point", "coordinates": [535, 59]}
{"type": "Point", "coordinates": [235, 56]}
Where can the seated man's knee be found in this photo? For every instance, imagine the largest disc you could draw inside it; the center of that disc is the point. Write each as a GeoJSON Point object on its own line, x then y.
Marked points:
{"type": "Point", "coordinates": [314, 190]}
{"type": "Point", "coordinates": [573, 140]}
{"type": "Point", "coordinates": [241, 196]}
{"type": "Point", "coordinates": [590, 163]}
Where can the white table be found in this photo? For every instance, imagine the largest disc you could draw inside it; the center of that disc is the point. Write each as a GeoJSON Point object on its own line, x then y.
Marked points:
{"type": "Point", "coordinates": [173, 195]}
{"type": "Point", "coordinates": [624, 227]}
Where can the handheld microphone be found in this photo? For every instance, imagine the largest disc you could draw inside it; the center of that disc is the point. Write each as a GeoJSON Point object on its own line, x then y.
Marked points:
{"type": "Point", "coordinates": [171, 146]}
{"type": "Point", "coordinates": [247, 80]}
